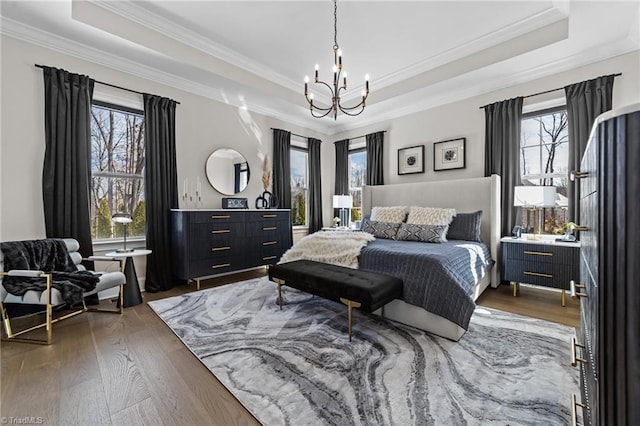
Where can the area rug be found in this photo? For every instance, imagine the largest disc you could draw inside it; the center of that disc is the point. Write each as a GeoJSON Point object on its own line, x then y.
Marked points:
{"type": "Point", "coordinates": [296, 366]}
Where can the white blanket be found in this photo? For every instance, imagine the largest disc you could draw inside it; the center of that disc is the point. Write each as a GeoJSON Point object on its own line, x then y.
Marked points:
{"type": "Point", "coordinates": [335, 247]}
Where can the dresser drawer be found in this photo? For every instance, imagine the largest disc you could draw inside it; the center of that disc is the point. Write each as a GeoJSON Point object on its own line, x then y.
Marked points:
{"type": "Point", "coordinates": [542, 253]}
{"type": "Point", "coordinates": [207, 267]}
{"type": "Point", "coordinates": [217, 216]}
{"type": "Point", "coordinates": [204, 232]}
{"type": "Point", "coordinates": [538, 273]}
{"type": "Point", "coordinates": [265, 215]}
{"type": "Point", "coordinates": [268, 228]}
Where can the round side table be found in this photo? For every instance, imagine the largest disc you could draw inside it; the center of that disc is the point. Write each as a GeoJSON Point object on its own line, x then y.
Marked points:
{"type": "Point", "coordinates": [131, 293]}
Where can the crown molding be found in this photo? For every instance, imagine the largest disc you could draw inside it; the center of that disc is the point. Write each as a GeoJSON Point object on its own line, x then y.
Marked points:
{"type": "Point", "coordinates": [133, 11]}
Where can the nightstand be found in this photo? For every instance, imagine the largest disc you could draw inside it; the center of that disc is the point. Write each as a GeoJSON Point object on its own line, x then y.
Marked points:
{"type": "Point", "coordinates": [546, 262]}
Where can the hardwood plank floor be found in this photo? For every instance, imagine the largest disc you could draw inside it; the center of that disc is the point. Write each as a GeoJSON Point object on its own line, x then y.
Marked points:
{"type": "Point", "coordinates": [132, 370]}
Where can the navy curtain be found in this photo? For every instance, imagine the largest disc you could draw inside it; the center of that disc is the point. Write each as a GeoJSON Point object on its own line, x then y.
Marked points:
{"type": "Point", "coordinates": [282, 167]}
{"type": "Point", "coordinates": [66, 172]}
{"type": "Point", "coordinates": [585, 101]}
{"type": "Point", "coordinates": [161, 188]}
{"type": "Point", "coordinates": [315, 185]}
{"type": "Point", "coordinates": [375, 164]}
{"type": "Point", "coordinates": [342, 167]}
{"type": "Point", "coordinates": [502, 153]}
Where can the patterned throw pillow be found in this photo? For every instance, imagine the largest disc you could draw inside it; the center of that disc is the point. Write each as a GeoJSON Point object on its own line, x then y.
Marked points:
{"type": "Point", "coordinates": [384, 230]}
{"type": "Point", "coordinates": [395, 214]}
{"type": "Point", "coordinates": [423, 233]}
{"type": "Point", "coordinates": [466, 226]}
{"type": "Point", "coordinates": [430, 216]}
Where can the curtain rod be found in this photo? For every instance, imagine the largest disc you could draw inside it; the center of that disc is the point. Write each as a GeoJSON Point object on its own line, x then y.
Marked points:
{"type": "Point", "coordinates": [110, 85]}
{"type": "Point", "coordinates": [364, 136]}
{"type": "Point", "coordinates": [293, 134]}
{"type": "Point", "coordinates": [546, 91]}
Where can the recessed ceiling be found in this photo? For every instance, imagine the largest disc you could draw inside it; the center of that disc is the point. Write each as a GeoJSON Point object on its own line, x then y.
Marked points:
{"type": "Point", "coordinates": [255, 54]}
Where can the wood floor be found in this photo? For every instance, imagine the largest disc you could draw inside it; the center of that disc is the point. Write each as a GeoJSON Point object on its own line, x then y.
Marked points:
{"type": "Point", "coordinates": [131, 369]}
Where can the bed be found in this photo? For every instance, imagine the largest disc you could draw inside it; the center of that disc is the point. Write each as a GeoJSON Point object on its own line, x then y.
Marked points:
{"type": "Point", "coordinates": [464, 195]}
{"type": "Point", "coordinates": [440, 281]}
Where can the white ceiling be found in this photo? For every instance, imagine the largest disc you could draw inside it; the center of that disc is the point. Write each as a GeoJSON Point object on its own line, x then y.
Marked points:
{"type": "Point", "coordinates": [255, 54]}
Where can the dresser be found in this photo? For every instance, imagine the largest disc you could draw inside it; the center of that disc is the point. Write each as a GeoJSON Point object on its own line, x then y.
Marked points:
{"type": "Point", "coordinates": [607, 349]}
{"type": "Point", "coordinates": [547, 263]}
{"type": "Point", "coordinates": [212, 242]}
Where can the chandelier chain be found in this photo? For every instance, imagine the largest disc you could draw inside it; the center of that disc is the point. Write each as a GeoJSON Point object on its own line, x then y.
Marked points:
{"type": "Point", "coordinates": [335, 23]}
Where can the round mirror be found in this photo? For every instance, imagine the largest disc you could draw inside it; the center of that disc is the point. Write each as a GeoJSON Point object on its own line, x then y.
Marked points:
{"type": "Point", "coordinates": [227, 171]}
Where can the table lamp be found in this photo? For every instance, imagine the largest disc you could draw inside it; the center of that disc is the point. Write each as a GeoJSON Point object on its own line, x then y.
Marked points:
{"type": "Point", "coordinates": [535, 198]}
{"type": "Point", "coordinates": [125, 219]}
{"type": "Point", "coordinates": [343, 202]}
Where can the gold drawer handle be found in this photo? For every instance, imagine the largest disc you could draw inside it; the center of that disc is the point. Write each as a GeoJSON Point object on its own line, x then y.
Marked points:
{"type": "Point", "coordinates": [269, 257]}
{"type": "Point", "coordinates": [538, 253]}
{"type": "Point", "coordinates": [270, 228]}
{"type": "Point", "coordinates": [580, 228]}
{"type": "Point", "coordinates": [224, 216]}
{"type": "Point", "coordinates": [222, 265]}
{"type": "Point", "coordinates": [574, 357]}
{"type": "Point", "coordinates": [538, 274]}
{"type": "Point", "coordinates": [575, 293]}
{"type": "Point", "coordinates": [269, 215]}
{"type": "Point", "coordinates": [269, 243]}
{"type": "Point", "coordinates": [574, 412]}
{"type": "Point", "coordinates": [221, 231]}
{"type": "Point", "coordinates": [577, 174]}
{"type": "Point", "coordinates": [220, 248]}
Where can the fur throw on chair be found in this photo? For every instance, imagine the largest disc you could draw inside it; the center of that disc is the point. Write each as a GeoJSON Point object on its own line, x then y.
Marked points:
{"type": "Point", "coordinates": [48, 255]}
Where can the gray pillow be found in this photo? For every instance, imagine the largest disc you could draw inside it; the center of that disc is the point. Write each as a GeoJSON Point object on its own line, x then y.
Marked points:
{"type": "Point", "coordinates": [423, 233]}
{"type": "Point", "coordinates": [466, 226]}
{"type": "Point", "coordinates": [384, 230]}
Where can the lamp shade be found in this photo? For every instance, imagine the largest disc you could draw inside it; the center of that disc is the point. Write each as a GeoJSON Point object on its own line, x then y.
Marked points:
{"type": "Point", "coordinates": [534, 196]}
{"type": "Point", "coordinates": [121, 217]}
{"type": "Point", "coordinates": [342, 201]}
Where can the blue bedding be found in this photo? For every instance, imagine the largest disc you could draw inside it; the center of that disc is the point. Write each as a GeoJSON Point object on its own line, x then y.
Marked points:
{"type": "Point", "coordinates": [436, 277]}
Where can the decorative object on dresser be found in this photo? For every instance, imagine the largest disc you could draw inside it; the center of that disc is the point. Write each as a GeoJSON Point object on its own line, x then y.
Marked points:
{"type": "Point", "coordinates": [411, 160]}
{"type": "Point", "coordinates": [608, 349]}
{"type": "Point", "coordinates": [449, 155]}
{"type": "Point", "coordinates": [297, 367]}
{"type": "Point", "coordinates": [546, 263]}
{"type": "Point", "coordinates": [211, 242]}
{"type": "Point", "coordinates": [536, 198]}
{"type": "Point", "coordinates": [227, 171]}
{"type": "Point", "coordinates": [235, 203]}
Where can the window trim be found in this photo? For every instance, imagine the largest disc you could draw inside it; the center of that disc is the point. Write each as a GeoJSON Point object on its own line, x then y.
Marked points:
{"type": "Point", "coordinates": [137, 241]}
{"type": "Point", "coordinates": [300, 145]}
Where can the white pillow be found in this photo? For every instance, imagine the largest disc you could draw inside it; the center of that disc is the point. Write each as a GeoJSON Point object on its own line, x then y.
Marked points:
{"type": "Point", "coordinates": [430, 216]}
{"type": "Point", "coordinates": [393, 214]}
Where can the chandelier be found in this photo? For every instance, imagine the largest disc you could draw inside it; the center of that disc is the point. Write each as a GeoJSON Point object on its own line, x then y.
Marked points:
{"type": "Point", "coordinates": [336, 87]}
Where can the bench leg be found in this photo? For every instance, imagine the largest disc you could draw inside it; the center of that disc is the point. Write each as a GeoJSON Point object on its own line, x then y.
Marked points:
{"type": "Point", "coordinates": [350, 305]}
{"type": "Point", "coordinates": [280, 284]}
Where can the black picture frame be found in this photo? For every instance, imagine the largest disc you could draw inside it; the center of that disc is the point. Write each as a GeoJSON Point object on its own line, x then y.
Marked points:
{"type": "Point", "coordinates": [450, 154]}
{"type": "Point", "coordinates": [411, 160]}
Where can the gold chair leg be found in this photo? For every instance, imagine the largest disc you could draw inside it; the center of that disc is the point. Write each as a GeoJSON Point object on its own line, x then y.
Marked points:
{"type": "Point", "coordinates": [350, 305]}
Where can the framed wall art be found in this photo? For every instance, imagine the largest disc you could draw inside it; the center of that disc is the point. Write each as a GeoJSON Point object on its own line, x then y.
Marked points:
{"type": "Point", "coordinates": [411, 160]}
{"type": "Point", "coordinates": [448, 155]}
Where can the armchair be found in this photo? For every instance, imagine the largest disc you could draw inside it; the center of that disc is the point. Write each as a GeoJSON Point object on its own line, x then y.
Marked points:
{"type": "Point", "coordinates": [49, 272]}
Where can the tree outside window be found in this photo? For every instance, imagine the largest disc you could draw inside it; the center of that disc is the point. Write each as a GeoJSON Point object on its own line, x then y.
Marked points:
{"type": "Point", "coordinates": [117, 170]}
{"type": "Point", "coordinates": [299, 185]}
{"type": "Point", "coordinates": [544, 160]}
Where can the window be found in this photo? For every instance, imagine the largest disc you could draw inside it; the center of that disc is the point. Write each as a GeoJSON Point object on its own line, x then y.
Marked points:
{"type": "Point", "coordinates": [117, 169]}
{"type": "Point", "coordinates": [299, 182]}
{"type": "Point", "coordinates": [357, 179]}
{"type": "Point", "coordinates": [544, 160]}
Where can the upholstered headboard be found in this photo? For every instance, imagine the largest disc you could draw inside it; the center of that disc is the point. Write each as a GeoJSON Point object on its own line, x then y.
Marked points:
{"type": "Point", "coordinates": [464, 195]}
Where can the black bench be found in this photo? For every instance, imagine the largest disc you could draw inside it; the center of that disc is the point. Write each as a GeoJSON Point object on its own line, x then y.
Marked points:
{"type": "Point", "coordinates": [368, 291]}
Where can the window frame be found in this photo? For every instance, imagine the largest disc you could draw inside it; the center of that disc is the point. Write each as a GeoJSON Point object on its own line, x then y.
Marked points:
{"type": "Point", "coordinates": [355, 148]}
{"type": "Point", "coordinates": [541, 177]}
{"type": "Point", "coordinates": [137, 240]}
{"type": "Point", "coordinates": [301, 145]}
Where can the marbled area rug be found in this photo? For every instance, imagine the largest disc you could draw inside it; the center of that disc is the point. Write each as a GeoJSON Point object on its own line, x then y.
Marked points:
{"type": "Point", "coordinates": [297, 366]}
